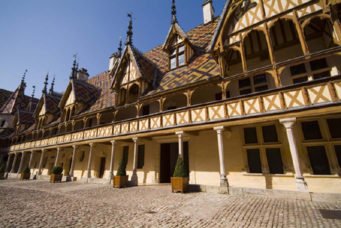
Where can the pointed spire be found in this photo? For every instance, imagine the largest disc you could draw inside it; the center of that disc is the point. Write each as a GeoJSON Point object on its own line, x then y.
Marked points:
{"type": "Point", "coordinates": [74, 68]}
{"type": "Point", "coordinates": [33, 91]}
{"type": "Point", "coordinates": [52, 85]}
{"type": "Point", "coordinates": [174, 19]}
{"type": "Point", "coordinates": [120, 47]}
{"type": "Point", "coordinates": [45, 84]}
{"type": "Point", "coordinates": [23, 83]}
{"type": "Point", "coordinates": [129, 40]}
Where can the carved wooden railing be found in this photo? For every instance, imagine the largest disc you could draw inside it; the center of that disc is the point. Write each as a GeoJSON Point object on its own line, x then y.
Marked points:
{"type": "Point", "coordinates": [296, 97]}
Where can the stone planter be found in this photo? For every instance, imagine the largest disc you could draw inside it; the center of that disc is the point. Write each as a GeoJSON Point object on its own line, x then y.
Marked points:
{"type": "Point", "coordinates": [120, 181]}
{"type": "Point", "coordinates": [54, 178]}
{"type": "Point", "coordinates": [179, 184]}
{"type": "Point", "coordinates": [25, 176]}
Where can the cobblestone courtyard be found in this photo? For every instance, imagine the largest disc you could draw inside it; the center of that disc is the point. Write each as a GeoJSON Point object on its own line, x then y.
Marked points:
{"type": "Point", "coordinates": [41, 204]}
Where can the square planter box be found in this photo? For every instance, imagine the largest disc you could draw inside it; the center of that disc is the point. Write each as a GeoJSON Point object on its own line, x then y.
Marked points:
{"type": "Point", "coordinates": [25, 176]}
{"type": "Point", "coordinates": [179, 184]}
{"type": "Point", "coordinates": [54, 178]}
{"type": "Point", "coordinates": [120, 181]}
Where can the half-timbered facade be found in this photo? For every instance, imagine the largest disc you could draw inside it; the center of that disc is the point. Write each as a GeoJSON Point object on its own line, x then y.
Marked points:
{"type": "Point", "coordinates": [250, 99]}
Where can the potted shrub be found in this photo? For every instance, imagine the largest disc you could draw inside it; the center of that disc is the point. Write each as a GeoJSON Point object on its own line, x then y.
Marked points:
{"type": "Point", "coordinates": [121, 178]}
{"type": "Point", "coordinates": [2, 171]}
{"type": "Point", "coordinates": [179, 180]}
{"type": "Point", "coordinates": [25, 175]}
{"type": "Point", "coordinates": [56, 175]}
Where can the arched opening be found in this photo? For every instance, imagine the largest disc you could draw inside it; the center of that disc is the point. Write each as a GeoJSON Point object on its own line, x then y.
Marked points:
{"type": "Point", "coordinates": [133, 93]}
{"type": "Point", "coordinates": [150, 108]}
{"type": "Point", "coordinates": [285, 40]}
{"type": "Point", "coordinates": [175, 101]}
{"type": "Point", "coordinates": [233, 62]}
{"type": "Point", "coordinates": [256, 50]}
{"type": "Point", "coordinates": [126, 113]}
{"type": "Point", "coordinates": [319, 34]}
{"type": "Point", "coordinates": [206, 94]}
{"type": "Point", "coordinates": [122, 96]}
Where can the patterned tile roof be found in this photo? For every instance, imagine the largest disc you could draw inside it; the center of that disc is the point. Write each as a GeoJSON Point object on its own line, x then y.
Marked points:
{"type": "Point", "coordinates": [4, 95]}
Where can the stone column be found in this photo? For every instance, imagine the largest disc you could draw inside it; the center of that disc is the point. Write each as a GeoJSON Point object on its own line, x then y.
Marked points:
{"type": "Point", "coordinates": [14, 161]}
{"type": "Point", "coordinates": [134, 180]}
{"type": "Point", "coordinates": [21, 162]}
{"type": "Point", "coordinates": [223, 179]}
{"type": "Point", "coordinates": [113, 142]}
{"type": "Point", "coordinates": [289, 123]}
{"type": "Point", "coordinates": [31, 160]}
{"type": "Point", "coordinates": [89, 161]}
{"type": "Point", "coordinates": [41, 161]}
{"type": "Point", "coordinates": [57, 156]}
{"type": "Point", "coordinates": [180, 142]}
{"type": "Point", "coordinates": [73, 160]}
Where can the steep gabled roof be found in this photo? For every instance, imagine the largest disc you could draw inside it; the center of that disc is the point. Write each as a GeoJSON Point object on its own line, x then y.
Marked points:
{"type": "Point", "coordinates": [50, 101]}
{"type": "Point", "coordinates": [24, 117]}
{"type": "Point", "coordinates": [4, 95]}
{"type": "Point", "coordinates": [175, 29]}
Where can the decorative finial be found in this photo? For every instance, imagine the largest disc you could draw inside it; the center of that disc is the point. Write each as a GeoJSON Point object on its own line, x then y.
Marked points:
{"type": "Point", "coordinates": [120, 47]}
{"type": "Point", "coordinates": [129, 40]}
{"type": "Point", "coordinates": [33, 91]}
{"type": "Point", "coordinates": [45, 83]}
{"type": "Point", "coordinates": [74, 68]}
{"type": "Point", "coordinates": [174, 19]}
{"type": "Point", "coordinates": [23, 77]}
{"type": "Point", "coordinates": [52, 85]}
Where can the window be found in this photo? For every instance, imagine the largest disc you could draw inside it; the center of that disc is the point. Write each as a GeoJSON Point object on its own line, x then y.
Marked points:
{"type": "Point", "coordinates": [256, 84]}
{"type": "Point", "coordinates": [140, 157]}
{"type": "Point", "coordinates": [298, 73]}
{"type": "Point", "coordinates": [273, 155]}
{"type": "Point", "coordinates": [338, 153]}
{"type": "Point", "coordinates": [318, 160]}
{"type": "Point", "coordinates": [311, 130]}
{"type": "Point", "coordinates": [253, 158]}
{"type": "Point", "coordinates": [318, 69]}
{"type": "Point", "coordinates": [269, 134]}
{"type": "Point", "coordinates": [317, 66]}
{"type": "Point", "coordinates": [263, 141]}
{"type": "Point", "coordinates": [334, 126]}
{"type": "Point", "coordinates": [125, 154]}
{"type": "Point", "coordinates": [145, 110]}
{"type": "Point", "coordinates": [177, 57]}
{"type": "Point", "coordinates": [250, 135]}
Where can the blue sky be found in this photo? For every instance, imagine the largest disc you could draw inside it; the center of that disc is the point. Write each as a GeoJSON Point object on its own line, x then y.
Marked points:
{"type": "Point", "coordinates": [43, 35]}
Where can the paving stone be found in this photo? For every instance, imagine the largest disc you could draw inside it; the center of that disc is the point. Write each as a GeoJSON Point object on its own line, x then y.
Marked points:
{"type": "Point", "coordinates": [41, 204]}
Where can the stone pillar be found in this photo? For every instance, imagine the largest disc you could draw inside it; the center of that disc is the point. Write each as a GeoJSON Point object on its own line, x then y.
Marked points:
{"type": "Point", "coordinates": [72, 168]}
{"type": "Point", "coordinates": [134, 180]}
{"type": "Point", "coordinates": [113, 142]}
{"type": "Point", "coordinates": [57, 156]}
{"type": "Point", "coordinates": [90, 160]}
{"type": "Point", "coordinates": [14, 161]}
{"type": "Point", "coordinates": [289, 123]}
{"type": "Point", "coordinates": [21, 162]}
{"type": "Point", "coordinates": [223, 179]}
{"type": "Point", "coordinates": [31, 160]}
{"type": "Point", "coordinates": [41, 161]}
{"type": "Point", "coordinates": [180, 143]}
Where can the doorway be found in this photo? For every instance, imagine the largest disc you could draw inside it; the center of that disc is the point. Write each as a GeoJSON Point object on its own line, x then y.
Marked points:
{"type": "Point", "coordinates": [101, 167]}
{"type": "Point", "coordinates": [168, 156]}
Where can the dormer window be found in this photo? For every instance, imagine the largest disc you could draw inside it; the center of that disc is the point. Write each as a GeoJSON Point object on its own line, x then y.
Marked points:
{"type": "Point", "coordinates": [178, 58]}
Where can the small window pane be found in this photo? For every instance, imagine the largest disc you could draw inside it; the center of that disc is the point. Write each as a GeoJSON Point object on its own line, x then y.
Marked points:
{"type": "Point", "coordinates": [318, 160]}
{"type": "Point", "coordinates": [218, 96]}
{"type": "Point", "coordinates": [324, 74]}
{"type": "Point", "coordinates": [334, 126]}
{"type": "Point", "coordinates": [298, 69]}
{"type": "Point", "coordinates": [250, 135]}
{"type": "Point", "coordinates": [338, 153]}
{"type": "Point", "coordinates": [300, 80]}
{"type": "Point", "coordinates": [181, 49]}
{"type": "Point", "coordinates": [173, 63]}
{"type": "Point", "coordinates": [261, 88]}
{"type": "Point", "coordinates": [318, 64]}
{"type": "Point", "coordinates": [145, 110]}
{"type": "Point", "coordinates": [244, 83]}
{"type": "Point", "coordinates": [181, 59]}
{"type": "Point", "coordinates": [245, 91]}
{"type": "Point", "coordinates": [269, 134]}
{"type": "Point", "coordinates": [253, 159]}
{"type": "Point", "coordinates": [259, 79]}
{"type": "Point", "coordinates": [140, 157]}
{"type": "Point", "coordinates": [311, 130]}
{"type": "Point", "coordinates": [274, 160]}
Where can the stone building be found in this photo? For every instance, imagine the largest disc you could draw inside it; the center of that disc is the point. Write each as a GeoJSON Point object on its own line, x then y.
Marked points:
{"type": "Point", "coordinates": [250, 99]}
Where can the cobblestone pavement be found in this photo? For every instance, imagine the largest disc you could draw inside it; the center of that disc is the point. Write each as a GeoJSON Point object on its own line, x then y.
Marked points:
{"type": "Point", "coordinates": [41, 204]}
